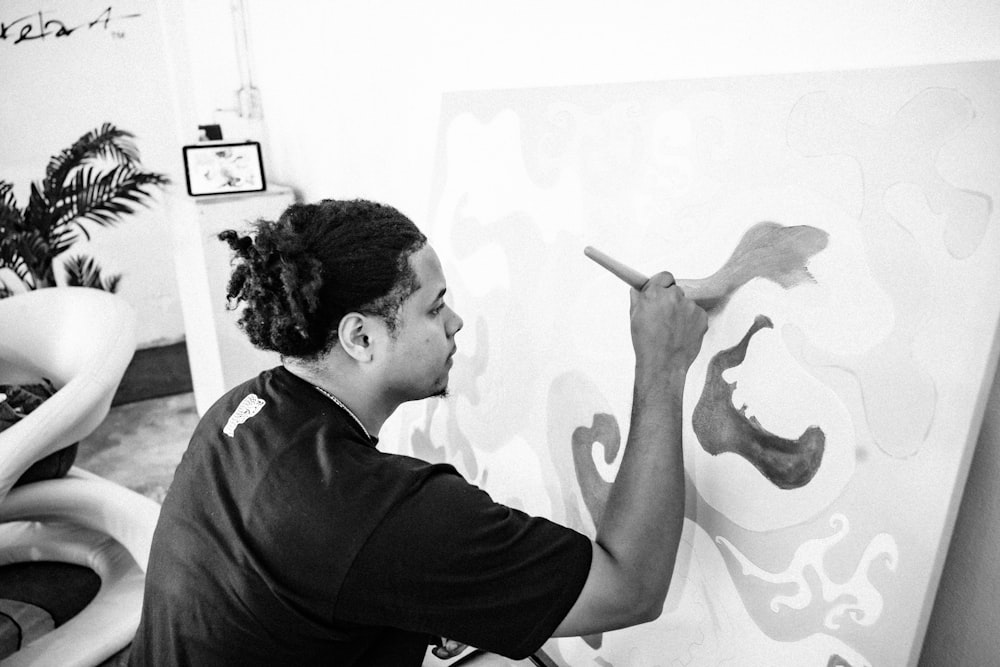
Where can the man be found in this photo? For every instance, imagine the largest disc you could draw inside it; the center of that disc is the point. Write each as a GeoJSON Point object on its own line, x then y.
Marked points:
{"type": "Point", "coordinates": [288, 538]}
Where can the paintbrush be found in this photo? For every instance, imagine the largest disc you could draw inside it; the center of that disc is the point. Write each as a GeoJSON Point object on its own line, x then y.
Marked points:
{"type": "Point", "coordinates": [767, 250]}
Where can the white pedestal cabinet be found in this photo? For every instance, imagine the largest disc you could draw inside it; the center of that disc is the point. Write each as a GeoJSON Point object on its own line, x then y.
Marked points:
{"type": "Point", "coordinates": [220, 354]}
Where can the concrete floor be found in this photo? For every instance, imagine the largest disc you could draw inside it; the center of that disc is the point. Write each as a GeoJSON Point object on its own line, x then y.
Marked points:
{"type": "Point", "coordinates": [140, 444]}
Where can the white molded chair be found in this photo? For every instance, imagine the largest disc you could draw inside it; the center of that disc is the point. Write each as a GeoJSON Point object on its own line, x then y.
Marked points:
{"type": "Point", "coordinates": [82, 340]}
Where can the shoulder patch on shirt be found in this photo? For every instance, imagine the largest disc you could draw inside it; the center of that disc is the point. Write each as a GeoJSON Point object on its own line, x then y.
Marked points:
{"type": "Point", "coordinates": [247, 408]}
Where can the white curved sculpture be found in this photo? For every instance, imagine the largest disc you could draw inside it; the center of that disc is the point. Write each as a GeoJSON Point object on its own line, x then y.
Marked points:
{"type": "Point", "coordinates": [82, 340]}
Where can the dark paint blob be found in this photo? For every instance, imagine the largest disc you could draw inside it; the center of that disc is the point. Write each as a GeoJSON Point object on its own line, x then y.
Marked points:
{"type": "Point", "coordinates": [720, 427]}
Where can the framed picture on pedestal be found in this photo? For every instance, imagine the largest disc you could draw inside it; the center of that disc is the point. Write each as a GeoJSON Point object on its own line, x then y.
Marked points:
{"type": "Point", "coordinates": [223, 168]}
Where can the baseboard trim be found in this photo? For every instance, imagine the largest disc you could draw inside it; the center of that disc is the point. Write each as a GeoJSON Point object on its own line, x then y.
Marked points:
{"type": "Point", "coordinates": [155, 372]}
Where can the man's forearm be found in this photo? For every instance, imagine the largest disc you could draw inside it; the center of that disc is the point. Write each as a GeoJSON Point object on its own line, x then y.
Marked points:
{"type": "Point", "coordinates": [637, 540]}
{"type": "Point", "coordinates": [644, 516]}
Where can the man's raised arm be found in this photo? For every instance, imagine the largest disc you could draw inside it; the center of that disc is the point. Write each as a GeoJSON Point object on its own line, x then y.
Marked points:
{"type": "Point", "coordinates": [640, 529]}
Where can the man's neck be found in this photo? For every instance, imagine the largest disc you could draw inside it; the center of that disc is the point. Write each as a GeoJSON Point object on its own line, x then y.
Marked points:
{"type": "Point", "coordinates": [344, 380]}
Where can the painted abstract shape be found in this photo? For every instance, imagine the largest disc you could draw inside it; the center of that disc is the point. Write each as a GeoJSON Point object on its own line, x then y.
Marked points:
{"type": "Point", "coordinates": [482, 212]}
{"type": "Point", "coordinates": [705, 623]}
{"type": "Point", "coordinates": [721, 428]}
{"type": "Point", "coordinates": [573, 400]}
{"type": "Point", "coordinates": [422, 444]}
{"type": "Point", "coordinates": [893, 394]}
{"type": "Point", "coordinates": [904, 150]}
{"type": "Point", "coordinates": [891, 384]}
{"type": "Point", "coordinates": [856, 599]}
{"type": "Point", "coordinates": [465, 373]}
{"type": "Point", "coordinates": [604, 432]}
{"type": "Point", "coordinates": [767, 250]}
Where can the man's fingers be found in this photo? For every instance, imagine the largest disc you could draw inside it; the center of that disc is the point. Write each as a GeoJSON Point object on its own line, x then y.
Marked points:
{"type": "Point", "coordinates": [661, 279]}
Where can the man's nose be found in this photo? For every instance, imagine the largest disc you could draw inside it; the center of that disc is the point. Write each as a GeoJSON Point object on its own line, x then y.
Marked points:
{"type": "Point", "coordinates": [457, 323]}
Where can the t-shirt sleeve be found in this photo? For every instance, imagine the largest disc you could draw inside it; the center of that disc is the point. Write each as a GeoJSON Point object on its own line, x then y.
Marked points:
{"type": "Point", "coordinates": [449, 561]}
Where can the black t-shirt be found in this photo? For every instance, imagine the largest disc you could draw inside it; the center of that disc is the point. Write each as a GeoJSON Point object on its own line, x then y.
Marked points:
{"type": "Point", "coordinates": [288, 538]}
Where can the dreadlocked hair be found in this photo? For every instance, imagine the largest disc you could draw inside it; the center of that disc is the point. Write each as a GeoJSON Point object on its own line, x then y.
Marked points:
{"type": "Point", "coordinates": [299, 275]}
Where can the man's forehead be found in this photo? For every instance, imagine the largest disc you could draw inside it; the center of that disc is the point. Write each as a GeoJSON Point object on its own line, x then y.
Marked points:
{"type": "Point", "coordinates": [427, 269]}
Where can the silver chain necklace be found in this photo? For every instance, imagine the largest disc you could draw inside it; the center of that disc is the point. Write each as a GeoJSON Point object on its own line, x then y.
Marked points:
{"type": "Point", "coordinates": [344, 408]}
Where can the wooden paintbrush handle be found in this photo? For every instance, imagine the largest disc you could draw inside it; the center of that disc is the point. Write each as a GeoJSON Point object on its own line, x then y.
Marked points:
{"type": "Point", "coordinates": [706, 293]}
{"type": "Point", "coordinates": [626, 273]}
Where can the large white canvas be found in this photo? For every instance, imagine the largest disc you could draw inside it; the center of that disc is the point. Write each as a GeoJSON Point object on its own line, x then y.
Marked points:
{"type": "Point", "coordinates": [886, 350]}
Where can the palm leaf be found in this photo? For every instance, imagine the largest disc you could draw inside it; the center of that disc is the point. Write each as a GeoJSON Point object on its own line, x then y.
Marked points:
{"type": "Point", "coordinates": [26, 255]}
{"type": "Point", "coordinates": [107, 142]}
{"type": "Point", "coordinates": [10, 215]}
{"type": "Point", "coordinates": [82, 271]}
{"type": "Point", "coordinates": [102, 198]}
{"type": "Point", "coordinates": [40, 240]}
{"type": "Point", "coordinates": [36, 213]}
{"type": "Point", "coordinates": [98, 179]}
{"type": "Point", "coordinates": [10, 258]}
{"type": "Point", "coordinates": [12, 232]}
{"type": "Point", "coordinates": [33, 264]}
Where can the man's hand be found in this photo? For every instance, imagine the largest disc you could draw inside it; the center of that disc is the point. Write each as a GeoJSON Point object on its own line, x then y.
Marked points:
{"type": "Point", "coordinates": [448, 648]}
{"type": "Point", "coordinates": [667, 328]}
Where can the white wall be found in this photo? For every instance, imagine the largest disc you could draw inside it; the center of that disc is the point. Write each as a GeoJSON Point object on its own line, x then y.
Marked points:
{"type": "Point", "coordinates": [351, 90]}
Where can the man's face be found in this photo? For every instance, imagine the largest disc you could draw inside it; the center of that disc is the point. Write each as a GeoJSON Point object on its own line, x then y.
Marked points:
{"type": "Point", "coordinates": [418, 354]}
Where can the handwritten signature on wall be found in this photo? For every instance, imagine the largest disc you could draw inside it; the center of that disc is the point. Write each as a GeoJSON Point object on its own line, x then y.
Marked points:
{"type": "Point", "coordinates": [39, 26]}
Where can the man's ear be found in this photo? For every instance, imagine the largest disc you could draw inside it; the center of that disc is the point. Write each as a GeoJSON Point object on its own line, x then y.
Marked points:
{"type": "Point", "coordinates": [353, 335]}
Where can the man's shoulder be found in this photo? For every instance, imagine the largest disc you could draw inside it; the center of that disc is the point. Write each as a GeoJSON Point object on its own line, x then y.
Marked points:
{"type": "Point", "coordinates": [419, 469]}
{"type": "Point", "coordinates": [270, 389]}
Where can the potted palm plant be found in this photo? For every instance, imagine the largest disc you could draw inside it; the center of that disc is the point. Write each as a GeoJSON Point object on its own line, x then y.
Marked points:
{"type": "Point", "coordinates": [98, 180]}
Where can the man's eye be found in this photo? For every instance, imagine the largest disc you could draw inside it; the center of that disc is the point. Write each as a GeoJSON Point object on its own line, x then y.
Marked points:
{"type": "Point", "coordinates": [437, 310]}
